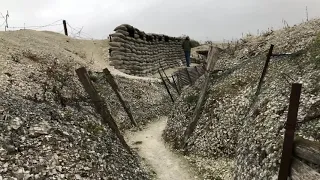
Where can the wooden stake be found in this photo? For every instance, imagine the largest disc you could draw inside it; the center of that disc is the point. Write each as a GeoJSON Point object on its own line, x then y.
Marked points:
{"type": "Point", "coordinates": [175, 85]}
{"type": "Point", "coordinates": [115, 87]}
{"type": "Point", "coordinates": [100, 105]}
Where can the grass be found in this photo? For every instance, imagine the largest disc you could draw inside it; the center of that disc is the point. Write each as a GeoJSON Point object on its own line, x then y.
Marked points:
{"type": "Point", "coordinates": [192, 99]}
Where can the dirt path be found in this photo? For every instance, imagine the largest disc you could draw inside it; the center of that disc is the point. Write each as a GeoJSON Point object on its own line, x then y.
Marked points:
{"type": "Point", "coordinates": [151, 147]}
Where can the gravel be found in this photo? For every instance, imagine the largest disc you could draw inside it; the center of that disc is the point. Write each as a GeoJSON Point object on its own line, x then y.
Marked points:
{"type": "Point", "coordinates": [48, 128]}
{"type": "Point", "coordinates": [252, 142]}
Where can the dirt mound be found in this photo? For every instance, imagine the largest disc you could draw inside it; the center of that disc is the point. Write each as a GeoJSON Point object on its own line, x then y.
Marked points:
{"type": "Point", "coordinates": [253, 142]}
{"type": "Point", "coordinates": [47, 126]}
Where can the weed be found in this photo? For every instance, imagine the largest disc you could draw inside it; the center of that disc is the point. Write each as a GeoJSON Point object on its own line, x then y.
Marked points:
{"type": "Point", "coordinates": [93, 128]}
{"type": "Point", "coordinates": [192, 99]}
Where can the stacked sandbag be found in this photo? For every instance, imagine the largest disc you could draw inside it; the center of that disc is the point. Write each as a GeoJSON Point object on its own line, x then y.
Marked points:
{"type": "Point", "coordinates": [137, 53]}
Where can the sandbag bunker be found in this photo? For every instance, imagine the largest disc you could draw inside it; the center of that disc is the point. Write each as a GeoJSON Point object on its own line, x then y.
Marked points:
{"type": "Point", "coordinates": [136, 53]}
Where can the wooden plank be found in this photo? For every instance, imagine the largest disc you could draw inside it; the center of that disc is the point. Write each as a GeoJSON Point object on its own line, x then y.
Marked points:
{"type": "Point", "coordinates": [301, 171]}
{"type": "Point", "coordinates": [307, 150]}
{"type": "Point", "coordinates": [100, 105]}
{"type": "Point", "coordinates": [194, 75]}
{"type": "Point", "coordinates": [116, 89]}
{"type": "Point", "coordinates": [211, 61]}
{"type": "Point", "coordinates": [289, 133]}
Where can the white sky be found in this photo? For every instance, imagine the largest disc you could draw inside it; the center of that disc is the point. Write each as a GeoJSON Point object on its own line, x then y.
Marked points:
{"type": "Point", "coordinates": [200, 19]}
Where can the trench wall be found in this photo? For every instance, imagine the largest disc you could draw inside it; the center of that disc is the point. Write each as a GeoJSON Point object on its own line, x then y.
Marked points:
{"type": "Point", "coordinates": [137, 53]}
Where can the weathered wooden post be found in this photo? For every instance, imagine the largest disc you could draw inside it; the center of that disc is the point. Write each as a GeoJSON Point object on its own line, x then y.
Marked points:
{"type": "Point", "coordinates": [115, 87]}
{"type": "Point", "coordinates": [289, 134]}
{"type": "Point", "coordinates": [100, 105]}
{"type": "Point", "coordinates": [265, 68]}
{"type": "Point", "coordinates": [65, 27]}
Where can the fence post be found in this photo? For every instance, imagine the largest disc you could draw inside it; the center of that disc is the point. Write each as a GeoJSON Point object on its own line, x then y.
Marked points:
{"type": "Point", "coordinates": [291, 123]}
{"type": "Point", "coordinates": [163, 81]}
{"type": "Point", "coordinates": [6, 21]}
{"type": "Point", "coordinates": [265, 68]}
{"type": "Point", "coordinates": [100, 105]}
{"type": "Point", "coordinates": [65, 27]}
{"type": "Point", "coordinates": [116, 89]}
{"type": "Point", "coordinates": [179, 80]}
{"type": "Point", "coordinates": [211, 62]}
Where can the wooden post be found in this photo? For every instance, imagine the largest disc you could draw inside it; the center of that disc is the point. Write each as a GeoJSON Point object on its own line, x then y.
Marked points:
{"type": "Point", "coordinates": [197, 71]}
{"type": "Point", "coordinates": [165, 85]}
{"type": "Point", "coordinates": [291, 123]}
{"type": "Point", "coordinates": [100, 105]}
{"type": "Point", "coordinates": [265, 68]}
{"type": "Point", "coordinates": [264, 72]}
{"type": "Point", "coordinates": [211, 61]}
{"type": "Point", "coordinates": [115, 87]}
{"type": "Point", "coordinates": [6, 21]}
{"type": "Point", "coordinates": [65, 27]}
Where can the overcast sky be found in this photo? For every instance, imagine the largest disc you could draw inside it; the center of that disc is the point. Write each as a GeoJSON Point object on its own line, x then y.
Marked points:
{"type": "Point", "coordinates": [200, 19]}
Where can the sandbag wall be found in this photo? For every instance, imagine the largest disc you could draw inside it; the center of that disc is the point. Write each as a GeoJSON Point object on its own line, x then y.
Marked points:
{"type": "Point", "coordinates": [134, 52]}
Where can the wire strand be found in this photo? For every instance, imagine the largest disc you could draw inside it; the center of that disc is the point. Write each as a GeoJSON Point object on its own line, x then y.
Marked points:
{"type": "Point", "coordinates": [52, 24]}
{"type": "Point", "coordinates": [75, 32]}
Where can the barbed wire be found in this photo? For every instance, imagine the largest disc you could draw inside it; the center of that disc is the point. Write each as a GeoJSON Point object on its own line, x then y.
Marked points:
{"type": "Point", "coordinates": [38, 27]}
{"type": "Point", "coordinates": [75, 32]}
{"type": "Point", "coordinates": [79, 33]}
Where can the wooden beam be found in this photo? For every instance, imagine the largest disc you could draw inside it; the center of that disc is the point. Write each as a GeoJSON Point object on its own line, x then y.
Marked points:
{"type": "Point", "coordinates": [100, 105]}
{"type": "Point", "coordinates": [307, 150]}
{"type": "Point", "coordinates": [301, 171]}
{"type": "Point", "coordinates": [116, 89]}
